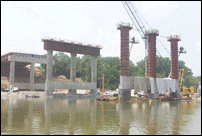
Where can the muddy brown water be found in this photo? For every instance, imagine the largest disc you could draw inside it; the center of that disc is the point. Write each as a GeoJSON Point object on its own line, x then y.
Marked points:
{"type": "Point", "coordinates": [26, 116]}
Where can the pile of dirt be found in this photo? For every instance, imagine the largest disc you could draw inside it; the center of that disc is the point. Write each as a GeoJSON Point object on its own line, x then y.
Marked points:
{"type": "Point", "coordinates": [60, 78]}
{"type": "Point", "coordinates": [4, 82]}
{"type": "Point", "coordinates": [38, 72]}
{"type": "Point", "coordinates": [79, 80]}
{"type": "Point", "coordinates": [57, 78]}
{"type": "Point", "coordinates": [63, 78]}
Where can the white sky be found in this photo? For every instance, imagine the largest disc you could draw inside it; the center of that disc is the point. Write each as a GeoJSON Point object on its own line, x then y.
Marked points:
{"type": "Point", "coordinates": [24, 23]}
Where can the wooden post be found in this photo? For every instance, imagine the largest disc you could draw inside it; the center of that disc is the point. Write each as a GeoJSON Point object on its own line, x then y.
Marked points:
{"type": "Point", "coordinates": [103, 84]}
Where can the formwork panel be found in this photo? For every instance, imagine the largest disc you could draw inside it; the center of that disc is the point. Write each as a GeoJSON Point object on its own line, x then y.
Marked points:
{"type": "Point", "coordinates": [124, 51]}
{"type": "Point", "coordinates": [152, 55]}
{"type": "Point", "coordinates": [174, 58]}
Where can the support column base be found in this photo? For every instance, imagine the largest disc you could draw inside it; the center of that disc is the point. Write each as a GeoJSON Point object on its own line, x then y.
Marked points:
{"type": "Point", "coordinates": [124, 94]}
{"type": "Point", "coordinates": [94, 92]}
{"type": "Point", "coordinates": [72, 91]}
{"type": "Point", "coordinates": [32, 88]}
{"type": "Point", "coordinates": [48, 89]}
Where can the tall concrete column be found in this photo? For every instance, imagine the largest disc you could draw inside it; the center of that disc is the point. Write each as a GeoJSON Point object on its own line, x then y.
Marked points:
{"type": "Point", "coordinates": [49, 69]}
{"type": "Point", "coordinates": [174, 55]}
{"type": "Point", "coordinates": [12, 73]}
{"type": "Point", "coordinates": [31, 81]}
{"type": "Point", "coordinates": [152, 33]}
{"type": "Point", "coordinates": [94, 72]}
{"type": "Point", "coordinates": [124, 88]}
{"type": "Point", "coordinates": [174, 39]}
{"type": "Point", "coordinates": [73, 72]}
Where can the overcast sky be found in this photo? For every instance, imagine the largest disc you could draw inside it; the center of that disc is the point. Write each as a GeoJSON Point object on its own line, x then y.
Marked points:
{"type": "Point", "coordinates": [24, 23]}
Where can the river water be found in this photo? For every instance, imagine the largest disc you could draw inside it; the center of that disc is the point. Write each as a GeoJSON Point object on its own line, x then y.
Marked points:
{"type": "Point", "coordinates": [85, 116]}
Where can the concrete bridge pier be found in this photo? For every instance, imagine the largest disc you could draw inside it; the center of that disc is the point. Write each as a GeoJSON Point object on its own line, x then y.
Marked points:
{"type": "Point", "coordinates": [73, 48]}
{"type": "Point", "coordinates": [94, 73]}
{"type": "Point", "coordinates": [48, 88]}
{"type": "Point", "coordinates": [32, 77]}
{"type": "Point", "coordinates": [124, 88]}
{"type": "Point", "coordinates": [73, 72]}
{"type": "Point", "coordinates": [152, 33]}
{"type": "Point", "coordinates": [174, 39]}
{"type": "Point", "coordinates": [12, 73]}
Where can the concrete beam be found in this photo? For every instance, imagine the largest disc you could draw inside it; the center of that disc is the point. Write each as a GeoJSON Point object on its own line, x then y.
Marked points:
{"type": "Point", "coordinates": [73, 85]}
{"type": "Point", "coordinates": [71, 47]}
{"type": "Point", "coordinates": [27, 86]}
{"type": "Point", "coordinates": [27, 58]}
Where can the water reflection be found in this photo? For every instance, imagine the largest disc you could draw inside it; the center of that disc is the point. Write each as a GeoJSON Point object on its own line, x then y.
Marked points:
{"type": "Point", "coordinates": [48, 106]}
{"type": "Point", "coordinates": [85, 116]}
{"type": "Point", "coordinates": [124, 109]}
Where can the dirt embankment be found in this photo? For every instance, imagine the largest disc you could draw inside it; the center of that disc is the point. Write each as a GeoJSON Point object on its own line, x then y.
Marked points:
{"type": "Point", "coordinates": [4, 82]}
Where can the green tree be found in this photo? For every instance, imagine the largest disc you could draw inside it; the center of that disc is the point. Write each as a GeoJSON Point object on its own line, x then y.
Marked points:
{"type": "Point", "coordinates": [62, 65]}
{"type": "Point", "coordinates": [111, 68]}
{"type": "Point", "coordinates": [86, 68]}
{"type": "Point", "coordinates": [140, 68]}
{"type": "Point", "coordinates": [162, 67]}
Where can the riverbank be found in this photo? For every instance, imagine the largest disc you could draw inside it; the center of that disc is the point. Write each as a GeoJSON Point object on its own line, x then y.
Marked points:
{"type": "Point", "coordinates": [41, 94]}
{"type": "Point", "coordinates": [83, 94]}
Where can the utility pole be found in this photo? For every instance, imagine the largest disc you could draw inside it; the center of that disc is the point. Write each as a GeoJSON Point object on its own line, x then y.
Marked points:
{"type": "Point", "coordinates": [103, 85]}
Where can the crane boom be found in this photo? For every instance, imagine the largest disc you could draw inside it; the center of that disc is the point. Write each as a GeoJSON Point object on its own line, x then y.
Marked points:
{"type": "Point", "coordinates": [139, 25]}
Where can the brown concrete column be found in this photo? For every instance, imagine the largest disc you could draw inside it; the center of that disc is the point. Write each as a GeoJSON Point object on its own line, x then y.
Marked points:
{"type": "Point", "coordinates": [152, 33]}
{"type": "Point", "coordinates": [174, 55]}
{"type": "Point", "coordinates": [124, 50]}
{"type": "Point", "coordinates": [124, 88]}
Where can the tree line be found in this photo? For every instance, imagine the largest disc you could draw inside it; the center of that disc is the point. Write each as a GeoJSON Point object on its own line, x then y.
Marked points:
{"type": "Point", "coordinates": [110, 66]}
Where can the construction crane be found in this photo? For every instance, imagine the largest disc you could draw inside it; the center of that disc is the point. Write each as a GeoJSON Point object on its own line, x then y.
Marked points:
{"type": "Point", "coordinates": [184, 90]}
{"type": "Point", "coordinates": [141, 27]}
